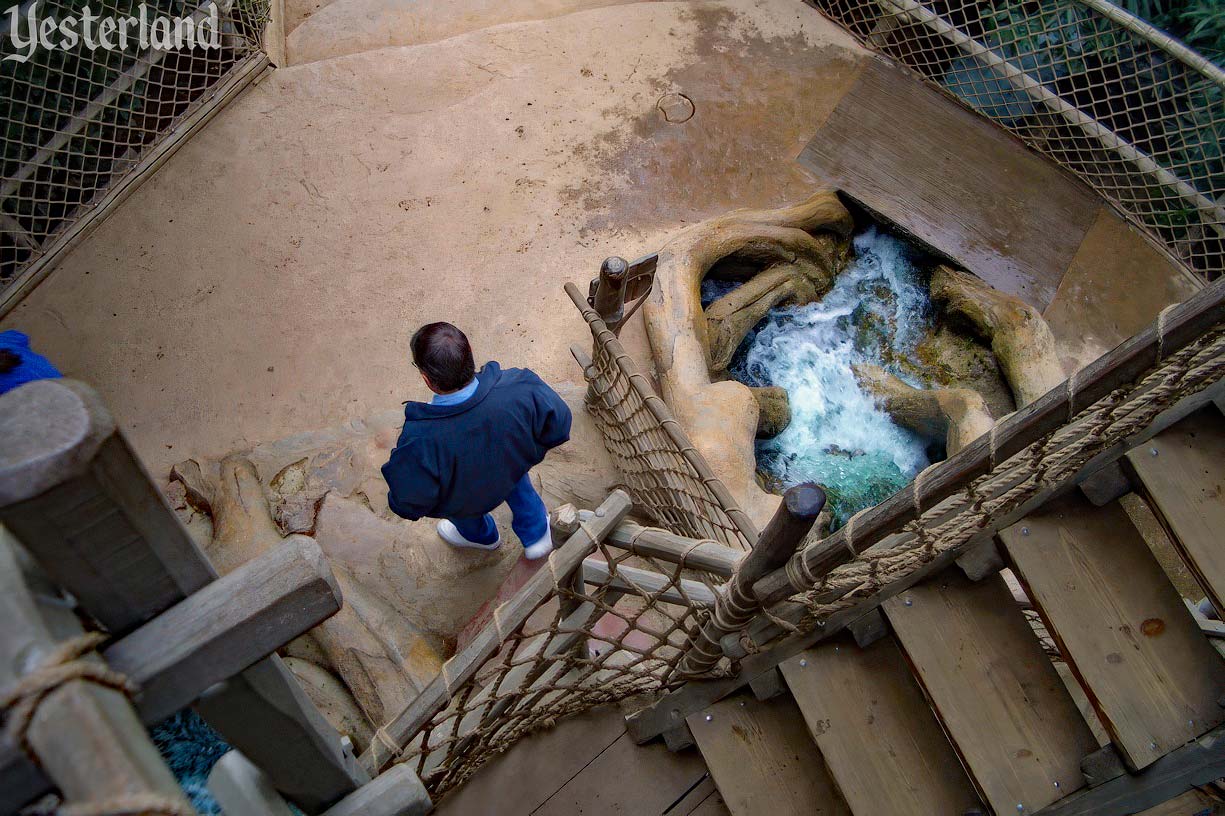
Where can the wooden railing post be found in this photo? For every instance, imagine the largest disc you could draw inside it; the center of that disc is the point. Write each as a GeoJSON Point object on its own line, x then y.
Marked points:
{"type": "Point", "coordinates": [74, 493]}
{"type": "Point", "coordinates": [608, 292]}
{"type": "Point", "coordinates": [736, 605]}
{"type": "Point", "coordinates": [83, 734]}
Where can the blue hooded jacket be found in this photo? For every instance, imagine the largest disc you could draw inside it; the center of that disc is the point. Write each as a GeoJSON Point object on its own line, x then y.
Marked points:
{"type": "Point", "coordinates": [461, 461]}
{"type": "Point", "coordinates": [32, 366]}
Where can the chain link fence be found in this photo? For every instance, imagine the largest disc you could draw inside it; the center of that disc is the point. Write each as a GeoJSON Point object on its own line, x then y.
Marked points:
{"type": "Point", "coordinates": [1131, 111]}
{"type": "Point", "coordinates": [78, 116]}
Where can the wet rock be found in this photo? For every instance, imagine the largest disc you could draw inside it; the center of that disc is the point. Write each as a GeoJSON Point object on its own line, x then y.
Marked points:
{"type": "Point", "coordinates": [950, 359]}
{"type": "Point", "coordinates": [955, 416]}
{"type": "Point", "coordinates": [1020, 339]}
{"type": "Point", "coordinates": [773, 411]}
{"type": "Point", "coordinates": [732, 316]}
{"type": "Point", "coordinates": [721, 417]}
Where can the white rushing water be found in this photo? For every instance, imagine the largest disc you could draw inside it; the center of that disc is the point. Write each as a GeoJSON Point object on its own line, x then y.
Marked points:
{"type": "Point", "coordinates": [877, 311]}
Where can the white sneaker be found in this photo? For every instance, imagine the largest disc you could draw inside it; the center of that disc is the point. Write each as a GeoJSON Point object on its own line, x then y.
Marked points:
{"type": "Point", "coordinates": [448, 533]}
{"type": "Point", "coordinates": [541, 548]}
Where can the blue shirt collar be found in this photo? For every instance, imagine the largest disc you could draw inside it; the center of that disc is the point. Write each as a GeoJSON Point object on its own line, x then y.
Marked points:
{"type": "Point", "coordinates": [456, 397]}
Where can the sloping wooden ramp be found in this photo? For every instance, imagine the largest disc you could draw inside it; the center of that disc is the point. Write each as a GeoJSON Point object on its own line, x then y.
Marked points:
{"type": "Point", "coordinates": [900, 147]}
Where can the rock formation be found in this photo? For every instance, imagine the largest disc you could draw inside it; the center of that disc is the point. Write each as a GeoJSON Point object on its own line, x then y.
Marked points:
{"type": "Point", "coordinates": [402, 613]}
{"type": "Point", "coordinates": [1020, 339]}
{"type": "Point", "coordinates": [956, 415]}
{"type": "Point", "coordinates": [721, 417]}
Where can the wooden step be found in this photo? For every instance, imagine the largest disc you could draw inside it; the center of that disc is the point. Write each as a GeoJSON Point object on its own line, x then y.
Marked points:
{"type": "Point", "coordinates": [1152, 675]}
{"type": "Point", "coordinates": [997, 695]}
{"type": "Point", "coordinates": [881, 742]}
{"type": "Point", "coordinates": [762, 760]}
{"type": "Point", "coordinates": [1181, 472]}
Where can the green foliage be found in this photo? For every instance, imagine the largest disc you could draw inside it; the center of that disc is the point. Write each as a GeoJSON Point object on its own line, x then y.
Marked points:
{"type": "Point", "coordinates": [1198, 23]}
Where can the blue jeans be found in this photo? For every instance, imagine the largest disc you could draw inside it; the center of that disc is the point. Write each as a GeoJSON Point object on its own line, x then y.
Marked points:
{"type": "Point", "coordinates": [530, 518]}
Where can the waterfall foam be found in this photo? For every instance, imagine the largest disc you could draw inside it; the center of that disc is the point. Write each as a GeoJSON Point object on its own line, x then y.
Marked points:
{"type": "Point", "coordinates": [877, 311]}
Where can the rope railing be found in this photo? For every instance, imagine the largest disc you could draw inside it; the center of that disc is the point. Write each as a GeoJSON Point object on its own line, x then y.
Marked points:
{"type": "Point", "coordinates": [1029, 457]}
{"type": "Point", "coordinates": [561, 646]}
{"type": "Point", "coordinates": [1133, 112]}
{"type": "Point", "coordinates": [666, 475]}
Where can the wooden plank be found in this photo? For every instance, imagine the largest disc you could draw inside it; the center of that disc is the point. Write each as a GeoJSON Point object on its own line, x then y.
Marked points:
{"type": "Point", "coordinates": [1151, 674]}
{"type": "Point", "coordinates": [397, 792]}
{"type": "Point", "coordinates": [941, 172]}
{"type": "Point", "coordinates": [74, 492]}
{"type": "Point", "coordinates": [626, 778]}
{"type": "Point", "coordinates": [1197, 763]}
{"type": "Point", "coordinates": [1182, 473]}
{"type": "Point", "coordinates": [762, 759]}
{"type": "Point", "coordinates": [227, 626]}
{"type": "Point", "coordinates": [243, 790]}
{"type": "Point", "coordinates": [640, 582]}
{"type": "Point", "coordinates": [219, 631]}
{"type": "Point", "coordinates": [881, 742]}
{"type": "Point", "coordinates": [86, 736]}
{"type": "Point", "coordinates": [1191, 803]}
{"type": "Point", "coordinates": [518, 782]}
{"type": "Point", "coordinates": [997, 695]}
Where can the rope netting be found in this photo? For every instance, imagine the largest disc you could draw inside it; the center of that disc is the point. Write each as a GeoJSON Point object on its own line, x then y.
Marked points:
{"type": "Point", "coordinates": [619, 632]}
{"type": "Point", "coordinates": [76, 119]}
{"type": "Point", "coordinates": [1131, 111]}
{"type": "Point", "coordinates": [665, 474]}
{"type": "Point", "coordinates": [1043, 466]}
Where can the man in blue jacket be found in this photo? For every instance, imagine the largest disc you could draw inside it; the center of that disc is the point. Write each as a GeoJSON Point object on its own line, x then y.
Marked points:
{"type": "Point", "coordinates": [470, 448]}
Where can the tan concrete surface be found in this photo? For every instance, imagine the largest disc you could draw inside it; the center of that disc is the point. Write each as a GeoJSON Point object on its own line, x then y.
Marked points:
{"type": "Point", "coordinates": [267, 279]}
{"type": "Point", "coordinates": [334, 28]}
{"type": "Point", "coordinates": [1116, 285]}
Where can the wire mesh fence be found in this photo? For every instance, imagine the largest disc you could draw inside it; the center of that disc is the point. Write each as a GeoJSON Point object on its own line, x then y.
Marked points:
{"type": "Point", "coordinates": [1131, 111]}
{"type": "Point", "coordinates": [78, 115]}
{"type": "Point", "coordinates": [666, 475]}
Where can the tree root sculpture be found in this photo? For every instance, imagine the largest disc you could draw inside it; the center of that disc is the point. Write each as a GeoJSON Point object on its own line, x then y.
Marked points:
{"type": "Point", "coordinates": [732, 316]}
{"type": "Point", "coordinates": [1020, 338]}
{"type": "Point", "coordinates": [959, 415]}
{"type": "Point", "coordinates": [721, 417]}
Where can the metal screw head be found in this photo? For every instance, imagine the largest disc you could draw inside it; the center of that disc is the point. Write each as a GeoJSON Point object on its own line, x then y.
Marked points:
{"type": "Point", "coordinates": [803, 663]}
{"type": "Point", "coordinates": [1024, 531]}
{"type": "Point", "coordinates": [709, 717]}
{"type": "Point", "coordinates": [1056, 784]}
{"type": "Point", "coordinates": [909, 602]}
{"type": "Point", "coordinates": [600, 511]}
{"type": "Point", "coordinates": [1191, 723]}
{"type": "Point", "coordinates": [837, 648]}
{"type": "Point", "coordinates": [1152, 746]}
{"type": "Point", "coordinates": [1153, 451]}
{"type": "Point", "coordinates": [1020, 808]}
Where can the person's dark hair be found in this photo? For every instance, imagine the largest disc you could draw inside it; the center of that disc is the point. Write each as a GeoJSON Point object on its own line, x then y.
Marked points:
{"type": "Point", "coordinates": [442, 353]}
{"type": "Point", "coordinates": [9, 360]}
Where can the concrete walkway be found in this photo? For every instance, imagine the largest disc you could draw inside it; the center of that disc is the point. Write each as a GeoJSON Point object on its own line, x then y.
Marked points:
{"type": "Point", "coordinates": [266, 280]}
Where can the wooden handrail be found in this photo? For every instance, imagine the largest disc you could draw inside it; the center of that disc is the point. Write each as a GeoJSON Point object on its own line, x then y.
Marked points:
{"type": "Point", "coordinates": [1173, 329]}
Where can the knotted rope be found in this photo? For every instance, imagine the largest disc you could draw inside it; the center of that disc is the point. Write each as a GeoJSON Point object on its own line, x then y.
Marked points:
{"type": "Point", "coordinates": [63, 664]}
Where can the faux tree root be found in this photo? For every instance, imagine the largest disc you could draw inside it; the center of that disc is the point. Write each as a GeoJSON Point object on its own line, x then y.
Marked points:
{"type": "Point", "coordinates": [721, 417]}
{"type": "Point", "coordinates": [956, 415]}
{"type": "Point", "coordinates": [1020, 338]}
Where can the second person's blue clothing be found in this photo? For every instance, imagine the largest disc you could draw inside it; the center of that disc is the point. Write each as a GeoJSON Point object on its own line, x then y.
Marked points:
{"type": "Point", "coordinates": [31, 366]}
